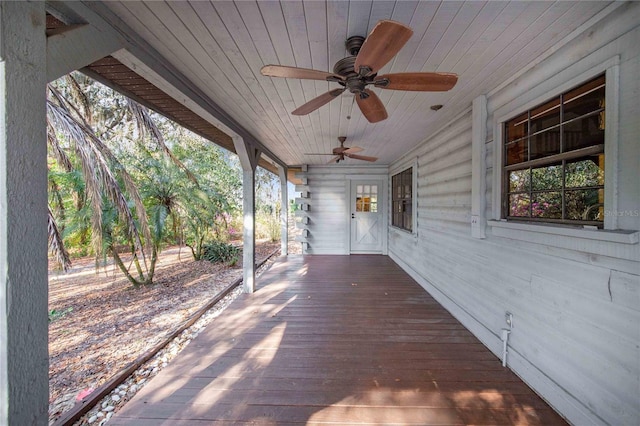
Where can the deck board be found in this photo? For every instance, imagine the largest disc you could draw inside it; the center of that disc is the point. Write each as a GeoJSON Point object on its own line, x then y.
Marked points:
{"type": "Point", "coordinates": [336, 340]}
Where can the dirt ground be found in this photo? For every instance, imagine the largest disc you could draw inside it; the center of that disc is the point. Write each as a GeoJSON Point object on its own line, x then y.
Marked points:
{"type": "Point", "coordinates": [99, 322]}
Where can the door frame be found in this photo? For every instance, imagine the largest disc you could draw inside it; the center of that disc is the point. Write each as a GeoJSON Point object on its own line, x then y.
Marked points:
{"type": "Point", "coordinates": [382, 180]}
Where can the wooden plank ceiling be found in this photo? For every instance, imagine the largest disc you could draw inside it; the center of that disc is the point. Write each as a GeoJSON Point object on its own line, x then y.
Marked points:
{"type": "Point", "coordinates": [221, 46]}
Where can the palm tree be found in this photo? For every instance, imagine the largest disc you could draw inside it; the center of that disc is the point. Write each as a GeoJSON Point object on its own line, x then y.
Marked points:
{"type": "Point", "coordinates": [115, 202]}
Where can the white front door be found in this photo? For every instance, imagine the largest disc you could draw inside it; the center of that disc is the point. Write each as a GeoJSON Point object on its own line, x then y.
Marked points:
{"type": "Point", "coordinates": [367, 216]}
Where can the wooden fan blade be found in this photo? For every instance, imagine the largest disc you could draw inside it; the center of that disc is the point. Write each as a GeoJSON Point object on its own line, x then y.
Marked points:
{"type": "Point", "coordinates": [362, 157]}
{"type": "Point", "coordinates": [417, 81]}
{"type": "Point", "coordinates": [353, 150]}
{"type": "Point", "coordinates": [294, 72]}
{"type": "Point", "coordinates": [316, 103]}
{"type": "Point", "coordinates": [384, 42]}
{"type": "Point", "coordinates": [372, 107]}
{"type": "Point", "coordinates": [334, 160]}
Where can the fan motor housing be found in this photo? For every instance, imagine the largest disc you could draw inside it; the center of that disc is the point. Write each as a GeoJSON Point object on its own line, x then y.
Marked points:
{"type": "Point", "coordinates": [344, 67]}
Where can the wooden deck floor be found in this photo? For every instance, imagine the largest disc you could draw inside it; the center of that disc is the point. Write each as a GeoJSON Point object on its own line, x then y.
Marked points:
{"type": "Point", "coordinates": [336, 340]}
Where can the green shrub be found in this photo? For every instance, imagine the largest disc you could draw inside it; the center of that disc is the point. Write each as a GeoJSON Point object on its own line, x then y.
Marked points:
{"type": "Point", "coordinates": [267, 227]}
{"type": "Point", "coordinates": [218, 251]}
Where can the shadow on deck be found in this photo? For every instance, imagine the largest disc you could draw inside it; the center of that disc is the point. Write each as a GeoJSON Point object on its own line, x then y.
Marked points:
{"type": "Point", "coordinates": [341, 340]}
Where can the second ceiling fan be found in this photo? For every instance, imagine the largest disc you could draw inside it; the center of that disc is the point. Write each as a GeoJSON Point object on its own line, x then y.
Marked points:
{"type": "Point", "coordinates": [356, 72]}
{"type": "Point", "coordinates": [339, 153]}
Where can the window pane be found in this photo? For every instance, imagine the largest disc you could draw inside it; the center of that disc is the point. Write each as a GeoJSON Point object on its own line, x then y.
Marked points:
{"type": "Point", "coordinates": [359, 189]}
{"type": "Point", "coordinates": [367, 189]}
{"type": "Point", "coordinates": [407, 191]}
{"type": "Point", "coordinates": [585, 99]}
{"type": "Point", "coordinates": [545, 143]}
{"type": "Point", "coordinates": [547, 204]}
{"type": "Point", "coordinates": [583, 132]}
{"type": "Point", "coordinates": [562, 190]}
{"type": "Point", "coordinates": [516, 128]}
{"type": "Point", "coordinates": [519, 180]}
{"type": "Point", "coordinates": [585, 172]}
{"type": "Point", "coordinates": [545, 116]}
{"type": "Point", "coordinates": [407, 221]}
{"type": "Point", "coordinates": [374, 199]}
{"type": "Point", "coordinates": [517, 152]}
{"type": "Point", "coordinates": [519, 205]}
{"type": "Point", "coordinates": [586, 204]}
{"type": "Point", "coordinates": [549, 177]}
{"type": "Point", "coordinates": [401, 193]}
{"type": "Point", "coordinates": [374, 189]}
{"type": "Point", "coordinates": [374, 207]}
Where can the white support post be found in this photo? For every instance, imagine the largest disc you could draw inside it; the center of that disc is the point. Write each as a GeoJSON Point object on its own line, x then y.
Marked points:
{"type": "Point", "coordinates": [284, 212]}
{"type": "Point", "coordinates": [24, 358]}
{"type": "Point", "coordinates": [249, 156]}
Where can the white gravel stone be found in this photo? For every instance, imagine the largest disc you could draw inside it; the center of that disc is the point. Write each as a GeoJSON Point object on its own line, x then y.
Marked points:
{"type": "Point", "coordinates": [115, 398]}
{"type": "Point", "coordinates": [109, 408]}
{"type": "Point", "coordinates": [92, 419]}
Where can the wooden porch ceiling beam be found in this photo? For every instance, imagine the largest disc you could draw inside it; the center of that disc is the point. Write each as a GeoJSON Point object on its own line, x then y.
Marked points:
{"type": "Point", "coordinates": [86, 39]}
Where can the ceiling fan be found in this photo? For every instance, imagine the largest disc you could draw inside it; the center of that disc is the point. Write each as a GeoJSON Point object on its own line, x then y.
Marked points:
{"type": "Point", "coordinates": [356, 72]}
{"type": "Point", "coordinates": [341, 152]}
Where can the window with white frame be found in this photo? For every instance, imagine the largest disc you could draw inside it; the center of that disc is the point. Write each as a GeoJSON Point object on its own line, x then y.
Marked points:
{"type": "Point", "coordinates": [553, 159]}
{"type": "Point", "coordinates": [402, 199]}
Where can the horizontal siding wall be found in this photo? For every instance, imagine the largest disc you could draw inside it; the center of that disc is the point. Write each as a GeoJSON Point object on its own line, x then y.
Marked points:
{"type": "Point", "coordinates": [576, 334]}
{"type": "Point", "coordinates": [328, 213]}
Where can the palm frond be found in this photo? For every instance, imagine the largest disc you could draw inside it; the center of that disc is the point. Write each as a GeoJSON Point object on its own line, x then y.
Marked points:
{"type": "Point", "coordinates": [58, 153]}
{"type": "Point", "coordinates": [95, 157]}
{"type": "Point", "coordinates": [56, 196]}
{"type": "Point", "coordinates": [56, 245]}
{"type": "Point", "coordinates": [147, 125]}
{"type": "Point", "coordinates": [80, 97]}
{"type": "Point", "coordinates": [67, 125]}
{"type": "Point", "coordinates": [159, 214]}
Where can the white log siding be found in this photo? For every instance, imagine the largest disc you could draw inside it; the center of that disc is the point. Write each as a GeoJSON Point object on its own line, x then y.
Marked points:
{"type": "Point", "coordinates": [575, 301]}
{"type": "Point", "coordinates": [329, 220]}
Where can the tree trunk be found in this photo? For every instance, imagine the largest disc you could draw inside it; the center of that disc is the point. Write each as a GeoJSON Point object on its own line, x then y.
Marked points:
{"type": "Point", "coordinates": [124, 269]}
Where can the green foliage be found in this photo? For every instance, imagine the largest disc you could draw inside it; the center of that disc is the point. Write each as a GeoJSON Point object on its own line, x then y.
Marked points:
{"type": "Point", "coordinates": [573, 185]}
{"type": "Point", "coordinates": [267, 226]}
{"type": "Point", "coordinates": [293, 207]}
{"type": "Point", "coordinates": [55, 314]}
{"type": "Point", "coordinates": [125, 179]}
{"type": "Point", "coordinates": [218, 251]}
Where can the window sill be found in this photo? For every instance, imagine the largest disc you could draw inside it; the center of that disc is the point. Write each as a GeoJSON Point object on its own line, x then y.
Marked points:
{"type": "Point", "coordinates": [513, 230]}
{"type": "Point", "coordinates": [403, 231]}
